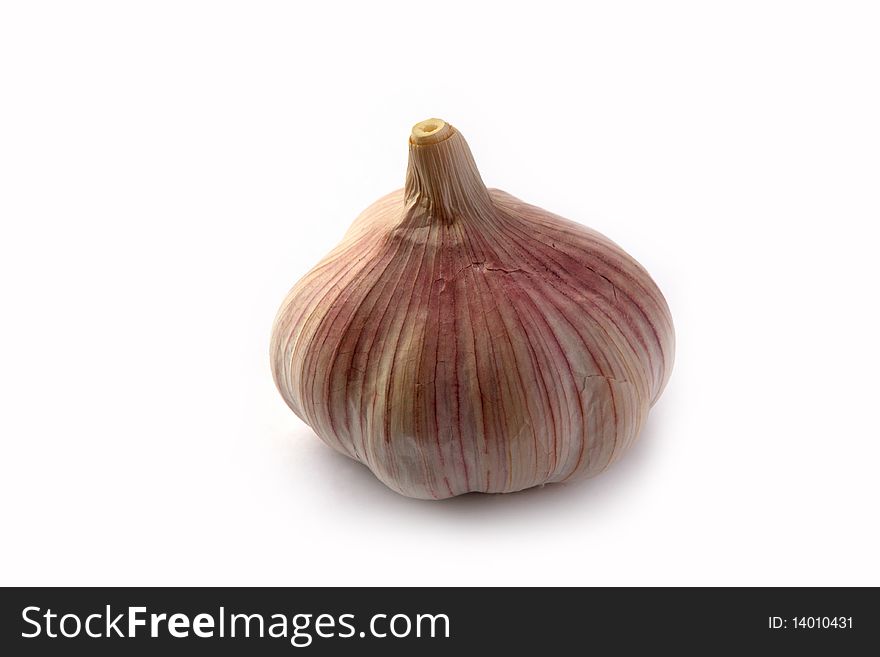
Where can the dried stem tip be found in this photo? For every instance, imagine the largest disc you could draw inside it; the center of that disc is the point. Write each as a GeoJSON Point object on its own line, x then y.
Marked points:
{"type": "Point", "coordinates": [430, 131]}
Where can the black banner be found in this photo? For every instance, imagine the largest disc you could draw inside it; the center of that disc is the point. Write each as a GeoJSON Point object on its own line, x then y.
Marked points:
{"type": "Point", "coordinates": [172, 621]}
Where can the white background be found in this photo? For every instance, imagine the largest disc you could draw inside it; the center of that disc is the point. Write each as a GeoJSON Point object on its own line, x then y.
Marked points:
{"type": "Point", "coordinates": [168, 170]}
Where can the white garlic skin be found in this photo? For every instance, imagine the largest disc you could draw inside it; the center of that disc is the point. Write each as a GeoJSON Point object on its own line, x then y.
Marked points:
{"type": "Point", "coordinates": [461, 340]}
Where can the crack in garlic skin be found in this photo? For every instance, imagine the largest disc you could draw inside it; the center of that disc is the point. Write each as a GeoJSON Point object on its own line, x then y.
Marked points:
{"type": "Point", "coordinates": [461, 340]}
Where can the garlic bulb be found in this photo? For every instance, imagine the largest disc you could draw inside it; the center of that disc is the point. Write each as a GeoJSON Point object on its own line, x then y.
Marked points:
{"type": "Point", "coordinates": [459, 339]}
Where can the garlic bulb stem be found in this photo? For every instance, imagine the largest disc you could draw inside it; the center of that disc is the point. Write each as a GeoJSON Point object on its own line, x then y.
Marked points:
{"type": "Point", "coordinates": [442, 180]}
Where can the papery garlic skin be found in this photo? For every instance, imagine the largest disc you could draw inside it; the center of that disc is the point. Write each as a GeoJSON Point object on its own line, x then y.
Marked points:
{"type": "Point", "coordinates": [461, 340]}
